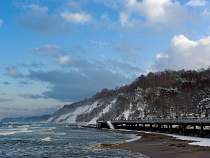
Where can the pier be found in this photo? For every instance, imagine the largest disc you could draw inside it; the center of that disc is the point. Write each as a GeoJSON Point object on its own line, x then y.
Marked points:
{"type": "Point", "coordinates": [184, 126]}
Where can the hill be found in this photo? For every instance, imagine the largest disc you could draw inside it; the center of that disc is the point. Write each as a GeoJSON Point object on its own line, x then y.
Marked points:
{"type": "Point", "coordinates": [162, 94]}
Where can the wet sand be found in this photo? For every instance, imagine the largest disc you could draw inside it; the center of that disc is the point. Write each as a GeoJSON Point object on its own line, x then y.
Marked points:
{"type": "Point", "coordinates": [156, 145]}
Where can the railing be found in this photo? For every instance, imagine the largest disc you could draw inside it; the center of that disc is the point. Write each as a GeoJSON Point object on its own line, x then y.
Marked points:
{"type": "Point", "coordinates": [165, 120]}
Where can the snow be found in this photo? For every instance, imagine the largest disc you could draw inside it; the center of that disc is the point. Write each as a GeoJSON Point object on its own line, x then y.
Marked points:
{"type": "Point", "coordinates": [93, 121]}
{"type": "Point", "coordinates": [71, 117]}
{"type": "Point", "coordinates": [198, 141]}
{"type": "Point", "coordinates": [126, 114]}
{"type": "Point", "coordinates": [49, 120]}
{"type": "Point", "coordinates": [110, 125]}
{"type": "Point", "coordinates": [78, 111]}
{"type": "Point", "coordinates": [105, 110]}
{"type": "Point", "coordinates": [93, 106]}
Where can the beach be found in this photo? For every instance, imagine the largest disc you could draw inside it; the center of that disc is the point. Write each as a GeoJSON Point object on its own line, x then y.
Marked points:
{"type": "Point", "coordinates": [157, 145]}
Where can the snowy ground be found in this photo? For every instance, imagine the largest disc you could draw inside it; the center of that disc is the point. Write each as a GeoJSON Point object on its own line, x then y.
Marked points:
{"type": "Point", "coordinates": [198, 141]}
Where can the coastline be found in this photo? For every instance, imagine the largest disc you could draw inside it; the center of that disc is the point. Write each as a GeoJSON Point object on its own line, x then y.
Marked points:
{"type": "Point", "coordinates": [157, 145]}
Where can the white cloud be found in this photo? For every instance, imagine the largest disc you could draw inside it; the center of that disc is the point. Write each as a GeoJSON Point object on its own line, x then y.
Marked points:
{"type": "Point", "coordinates": [206, 12]}
{"type": "Point", "coordinates": [197, 3]}
{"type": "Point", "coordinates": [101, 43]}
{"type": "Point", "coordinates": [153, 13]}
{"type": "Point", "coordinates": [184, 54]}
{"type": "Point", "coordinates": [1, 22]}
{"type": "Point", "coordinates": [47, 50]}
{"type": "Point", "coordinates": [63, 60]}
{"type": "Point", "coordinates": [76, 17]}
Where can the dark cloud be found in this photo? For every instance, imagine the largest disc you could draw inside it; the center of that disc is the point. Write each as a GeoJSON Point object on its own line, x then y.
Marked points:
{"type": "Point", "coordinates": [12, 71]}
{"type": "Point", "coordinates": [30, 96]}
{"type": "Point", "coordinates": [38, 20]}
{"type": "Point", "coordinates": [24, 83]}
{"type": "Point", "coordinates": [80, 79]}
{"type": "Point", "coordinates": [127, 51]}
{"type": "Point", "coordinates": [47, 50]}
{"type": "Point", "coordinates": [123, 67]}
{"type": "Point", "coordinates": [6, 83]}
{"type": "Point", "coordinates": [78, 85]}
{"type": "Point", "coordinates": [5, 100]}
{"type": "Point", "coordinates": [32, 65]}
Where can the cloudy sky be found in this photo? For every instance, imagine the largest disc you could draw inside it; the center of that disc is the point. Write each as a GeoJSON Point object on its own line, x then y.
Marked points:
{"type": "Point", "coordinates": [55, 52]}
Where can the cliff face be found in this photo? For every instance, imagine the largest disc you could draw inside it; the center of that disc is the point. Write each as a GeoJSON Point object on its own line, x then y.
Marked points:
{"type": "Point", "coordinates": [100, 107]}
{"type": "Point", "coordinates": [163, 94]}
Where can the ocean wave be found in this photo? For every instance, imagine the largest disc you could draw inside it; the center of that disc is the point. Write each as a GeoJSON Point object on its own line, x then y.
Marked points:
{"type": "Point", "coordinates": [14, 131]}
{"type": "Point", "coordinates": [46, 139]}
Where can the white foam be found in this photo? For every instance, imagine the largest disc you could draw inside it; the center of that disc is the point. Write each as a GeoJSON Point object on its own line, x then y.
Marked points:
{"type": "Point", "coordinates": [60, 133]}
{"type": "Point", "coordinates": [133, 137]}
{"type": "Point", "coordinates": [7, 133]}
{"type": "Point", "coordinates": [14, 131]}
{"type": "Point", "coordinates": [46, 139]}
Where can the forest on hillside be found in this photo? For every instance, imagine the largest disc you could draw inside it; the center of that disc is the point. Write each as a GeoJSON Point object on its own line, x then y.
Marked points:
{"type": "Point", "coordinates": [166, 94]}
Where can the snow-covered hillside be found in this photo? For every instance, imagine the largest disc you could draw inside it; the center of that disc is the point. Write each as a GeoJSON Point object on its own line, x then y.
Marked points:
{"type": "Point", "coordinates": [90, 112]}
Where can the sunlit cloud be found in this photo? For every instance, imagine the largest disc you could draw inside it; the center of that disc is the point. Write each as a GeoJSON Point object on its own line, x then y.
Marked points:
{"type": "Point", "coordinates": [184, 53]}
{"type": "Point", "coordinates": [63, 60]}
{"type": "Point", "coordinates": [76, 17]}
{"type": "Point", "coordinates": [156, 14]}
{"type": "Point", "coordinates": [197, 3]}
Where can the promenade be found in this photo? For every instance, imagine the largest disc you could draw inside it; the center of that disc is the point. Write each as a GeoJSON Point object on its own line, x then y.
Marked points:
{"type": "Point", "coordinates": [196, 126]}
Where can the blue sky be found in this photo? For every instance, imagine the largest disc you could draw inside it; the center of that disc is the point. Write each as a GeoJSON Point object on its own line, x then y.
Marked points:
{"type": "Point", "coordinates": [57, 52]}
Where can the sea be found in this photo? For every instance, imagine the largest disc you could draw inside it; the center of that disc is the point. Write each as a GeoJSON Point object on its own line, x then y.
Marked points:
{"type": "Point", "coordinates": [37, 140]}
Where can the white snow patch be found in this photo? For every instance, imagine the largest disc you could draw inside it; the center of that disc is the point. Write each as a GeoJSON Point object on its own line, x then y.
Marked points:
{"type": "Point", "coordinates": [198, 141]}
{"type": "Point", "coordinates": [93, 106]}
{"type": "Point", "coordinates": [126, 114]}
{"type": "Point", "coordinates": [49, 120]}
{"type": "Point", "coordinates": [71, 117]}
{"type": "Point", "coordinates": [93, 121]}
{"type": "Point", "coordinates": [105, 110]}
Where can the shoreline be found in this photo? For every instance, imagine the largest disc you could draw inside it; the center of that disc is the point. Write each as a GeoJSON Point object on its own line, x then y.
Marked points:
{"type": "Point", "coordinates": [158, 145]}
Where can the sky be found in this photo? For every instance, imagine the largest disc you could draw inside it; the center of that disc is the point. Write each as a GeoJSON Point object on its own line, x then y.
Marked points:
{"type": "Point", "coordinates": [55, 52]}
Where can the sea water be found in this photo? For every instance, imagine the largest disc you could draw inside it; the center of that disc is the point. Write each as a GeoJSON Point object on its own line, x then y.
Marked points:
{"type": "Point", "coordinates": [56, 140]}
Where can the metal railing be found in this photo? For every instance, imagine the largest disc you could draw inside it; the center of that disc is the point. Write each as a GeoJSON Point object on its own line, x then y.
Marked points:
{"type": "Point", "coordinates": [165, 120]}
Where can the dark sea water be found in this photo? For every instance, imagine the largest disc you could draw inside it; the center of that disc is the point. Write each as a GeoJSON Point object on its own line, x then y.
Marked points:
{"type": "Point", "coordinates": [54, 140]}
